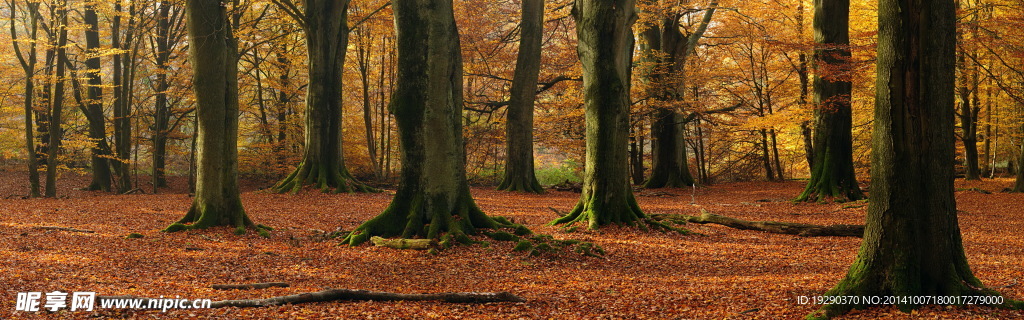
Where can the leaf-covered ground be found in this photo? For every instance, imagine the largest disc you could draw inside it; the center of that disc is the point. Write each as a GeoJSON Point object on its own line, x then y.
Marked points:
{"type": "Point", "coordinates": [725, 274]}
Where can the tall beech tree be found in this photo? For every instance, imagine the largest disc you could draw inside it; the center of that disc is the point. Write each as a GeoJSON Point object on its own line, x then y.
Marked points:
{"type": "Point", "coordinates": [519, 170]}
{"type": "Point", "coordinates": [433, 194]}
{"type": "Point", "coordinates": [213, 53]}
{"type": "Point", "coordinates": [912, 244]}
{"type": "Point", "coordinates": [671, 47]}
{"type": "Point", "coordinates": [605, 50]}
{"type": "Point", "coordinates": [832, 172]}
{"type": "Point", "coordinates": [100, 153]}
{"type": "Point", "coordinates": [325, 23]}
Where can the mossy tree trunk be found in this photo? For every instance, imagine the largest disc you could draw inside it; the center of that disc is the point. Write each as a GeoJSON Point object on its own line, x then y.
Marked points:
{"type": "Point", "coordinates": [605, 49]}
{"type": "Point", "coordinates": [832, 172]}
{"type": "Point", "coordinates": [325, 23]}
{"type": "Point", "coordinates": [214, 58]}
{"type": "Point", "coordinates": [519, 170]}
{"type": "Point", "coordinates": [100, 152]}
{"type": "Point", "coordinates": [433, 196]}
{"type": "Point", "coordinates": [912, 244]}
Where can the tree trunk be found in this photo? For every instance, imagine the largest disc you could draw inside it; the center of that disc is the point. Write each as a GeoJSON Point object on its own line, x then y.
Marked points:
{"type": "Point", "coordinates": [1019, 185]}
{"type": "Point", "coordinates": [214, 58]}
{"type": "Point", "coordinates": [433, 194]}
{"type": "Point", "coordinates": [28, 65]}
{"type": "Point", "coordinates": [669, 169]}
{"type": "Point", "coordinates": [519, 171]}
{"type": "Point", "coordinates": [832, 172]}
{"type": "Point", "coordinates": [162, 111]}
{"type": "Point", "coordinates": [122, 105]}
{"type": "Point", "coordinates": [100, 152]}
{"type": "Point", "coordinates": [323, 165]}
{"type": "Point", "coordinates": [605, 49]}
{"type": "Point", "coordinates": [55, 131]}
{"type": "Point", "coordinates": [912, 244]}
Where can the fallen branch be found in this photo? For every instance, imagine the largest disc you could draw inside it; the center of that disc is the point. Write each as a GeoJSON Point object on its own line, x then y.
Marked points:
{"type": "Point", "coordinates": [363, 295]}
{"type": "Point", "coordinates": [64, 229]}
{"type": "Point", "coordinates": [415, 244]}
{"type": "Point", "coordinates": [800, 229]}
{"type": "Point", "coordinates": [349, 295]}
{"type": "Point", "coordinates": [248, 286]}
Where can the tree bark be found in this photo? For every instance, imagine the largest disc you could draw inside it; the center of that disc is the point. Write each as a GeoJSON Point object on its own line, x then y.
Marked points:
{"type": "Point", "coordinates": [832, 172]}
{"type": "Point", "coordinates": [605, 49]}
{"type": "Point", "coordinates": [912, 244]}
{"type": "Point", "coordinates": [670, 167]}
{"type": "Point", "coordinates": [519, 171]}
{"type": "Point", "coordinates": [325, 23]}
{"type": "Point", "coordinates": [122, 104]}
{"type": "Point", "coordinates": [1019, 184]}
{"type": "Point", "coordinates": [28, 65]}
{"type": "Point", "coordinates": [433, 195]}
{"type": "Point", "coordinates": [100, 152]}
{"type": "Point", "coordinates": [162, 110]}
{"type": "Point", "coordinates": [214, 57]}
{"type": "Point", "coordinates": [56, 133]}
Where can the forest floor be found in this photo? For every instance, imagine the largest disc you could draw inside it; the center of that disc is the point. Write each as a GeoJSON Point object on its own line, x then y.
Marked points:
{"type": "Point", "coordinates": [722, 274]}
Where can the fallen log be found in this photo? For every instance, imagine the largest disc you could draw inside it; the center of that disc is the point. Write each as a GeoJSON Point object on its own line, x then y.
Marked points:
{"type": "Point", "coordinates": [415, 244]}
{"type": "Point", "coordinates": [63, 229]}
{"type": "Point", "coordinates": [364, 295]}
{"type": "Point", "coordinates": [247, 286]}
{"type": "Point", "coordinates": [800, 229]}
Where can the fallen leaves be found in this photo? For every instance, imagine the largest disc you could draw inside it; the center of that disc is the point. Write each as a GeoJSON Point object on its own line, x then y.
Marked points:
{"type": "Point", "coordinates": [723, 274]}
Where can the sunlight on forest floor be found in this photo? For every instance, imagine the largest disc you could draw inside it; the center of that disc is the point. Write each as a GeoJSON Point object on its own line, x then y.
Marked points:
{"type": "Point", "coordinates": [725, 273]}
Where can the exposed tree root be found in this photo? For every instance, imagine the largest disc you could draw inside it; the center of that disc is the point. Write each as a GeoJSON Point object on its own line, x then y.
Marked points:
{"type": "Point", "coordinates": [520, 183]}
{"type": "Point", "coordinates": [327, 178]}
{"type": "Point", "coordinates": [800, 229]}
{"type": "Point", "coordinates": [247, 286]}
{"type": "Point", "coordinates": [628, 213]}
{"type": "Point", "coordinates": [205, 217]}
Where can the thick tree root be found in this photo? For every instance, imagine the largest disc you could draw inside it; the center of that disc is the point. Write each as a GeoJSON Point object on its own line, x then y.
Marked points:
{"type": "Point", "coordinates": [326, 178]}
{"type": "Point", "coordinates": [248, 286]}
{"type": "Point", "coordinates": [800, 229]}
{"type": "Point", "coordinates": [348, 295]}
{"type": "Point", "coordinates": [628, 213]}
{"type": "Point", "coordinates": [197, 218]}
{"type": "Point", "coordinates": [520, 183]}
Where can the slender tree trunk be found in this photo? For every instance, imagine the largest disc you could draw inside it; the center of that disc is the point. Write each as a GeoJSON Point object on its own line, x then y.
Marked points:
{"type": "Point", "coordinates": [100, 152]}
{"type": "Point", "coordinates": [214, 56]}
{"type": "Point", "coordinates": [363, 57]}
{"type": "Point", "coordinates": [433, 195]}
{"type": "Point", "coordinates": [766, 156]}
{"type": "Point", "coordinates": [519, 170]}
{"type": "Point", "coordinates": [605, 49]}
{"type": "Point", "coordinates": [912, 245]}
{"type": "Point", "coordinates": [28, 65]}
{"type": "Point", "coordinates": [162, 111]}
{"type": "Point", "coordinates": [57, 99]}
{"type": "Point", "coordinates": [832, 172]}
{"type": "Point", "coordinates": [323, 163]}
{"type": "Point", "coordinates": [122, 105]}
{"type": "Point", "coordinates": [1019, 184]}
